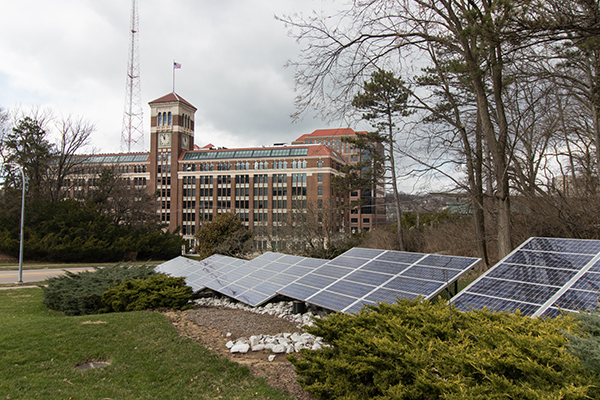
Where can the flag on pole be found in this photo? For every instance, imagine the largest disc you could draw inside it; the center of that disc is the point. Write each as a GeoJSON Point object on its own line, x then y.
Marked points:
{"type": "Point", "coordinates": [176, 65]}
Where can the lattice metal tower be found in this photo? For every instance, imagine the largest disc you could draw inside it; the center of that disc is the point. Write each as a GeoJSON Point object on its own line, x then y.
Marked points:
{"type": "Point", "coordinates": [132, 132]}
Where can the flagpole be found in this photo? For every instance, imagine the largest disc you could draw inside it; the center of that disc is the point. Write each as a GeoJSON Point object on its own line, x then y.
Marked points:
{"type": "Point", "coordinates": [173, 76]}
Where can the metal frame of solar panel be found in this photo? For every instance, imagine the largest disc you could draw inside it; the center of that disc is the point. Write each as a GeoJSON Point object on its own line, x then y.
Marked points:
{"type": "Point", "coordinates": [540, 278]}
{"type": "Point", "coordinates": [368, 276]}
{"type": "Point", "coordinates": [257, 281]}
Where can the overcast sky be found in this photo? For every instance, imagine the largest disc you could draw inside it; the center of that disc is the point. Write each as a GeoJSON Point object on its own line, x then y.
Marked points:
{"type": "Point", "coordinates": [71, 56]}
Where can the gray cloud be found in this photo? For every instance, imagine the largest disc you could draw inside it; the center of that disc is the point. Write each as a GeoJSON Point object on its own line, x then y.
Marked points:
{"type": "Point", "coordinates": [72, 56]}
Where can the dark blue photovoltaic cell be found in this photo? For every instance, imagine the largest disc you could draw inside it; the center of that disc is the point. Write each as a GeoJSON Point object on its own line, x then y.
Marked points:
{"type": "Point", "coordinates": [363, 253]}
{"type": "Point", "coordinates": [296, 270]}
{"type": "Point", "coordinates": [261, 274]}
{"type": "Point", "coordinates": [389, 296]}
{"type": "Point", "coordinates": [532, 274]}
{"type": "Point", "coordinates": [332, 301]}
{"type": "Point", "coordinates": [577, 246]}
{"type": "Point", "coordinates": [244, 270]}
{"type": "Point", "coordinates": [249, 282]}
{"type": "Point", "coordinates": [312, 262]}
{"type": "Point", "coordinates": [349, 262]}
{"type": "Point", "coordinates": [548, 259]}
{"type": "Point", "coordinates": [578, 300]}
{"type": "Point", "coordinates": [276, 267]}
{"type": "Point", "coordinates": [517, 291]}
{"type": "Point", "coordinates": [332, 271]}
{"type": "Point", "coordinates": [589, 281]}
{"type": "Point", "coordinates": [298, 291]}
{"type": "Point", "coordinates": [411, 285]}
{"type": "Point", "coordinates": [540, 272]}
{"type": "Point", "coordinates": [266, 288]}
{"type": "Point", "coordinates": [471, 301]}
{"type": "Point", "coordinates": [354, 308]}
{"type": "Point", "coordinates": [595, 267]}
{"type": "Point", "coordinates": [286, 259]}
{"type": "Point", "coordinates": [368, 277]}
{"type": "Point", "coordinates": [402, 257]}
{"type": "Point", "coordinates": [552, 312]}
{"type": "Point", "coordinates": [282, 279]}
{"type": "Point", "coordinates": [237, 263]}
{"type": "Point", "coordinates": [434, 260]}
{"type": "Point", "coordinates": [316, 281]}
{"type": "Point", "coordinates": [352, 289]}
{"type": "Point", "coordinates": [432, 273]}
{"type": "Point", "coordinates": [233, 290]}
{"type": "Point", "coordinates": [385, 267]}
{"type": "Point", "coordinates": [254, 298]}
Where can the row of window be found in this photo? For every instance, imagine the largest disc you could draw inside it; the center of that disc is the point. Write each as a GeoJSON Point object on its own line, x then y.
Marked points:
{"type": "Point", "coordinates": [240, 166]}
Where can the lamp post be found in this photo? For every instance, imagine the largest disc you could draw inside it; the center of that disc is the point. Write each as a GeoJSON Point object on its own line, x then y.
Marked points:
{"type": "Point", "coordinates": [22, 225]}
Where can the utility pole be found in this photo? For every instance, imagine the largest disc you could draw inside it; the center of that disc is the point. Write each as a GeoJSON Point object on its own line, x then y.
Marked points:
{"type": "Point", "coordinates": [132, 132]}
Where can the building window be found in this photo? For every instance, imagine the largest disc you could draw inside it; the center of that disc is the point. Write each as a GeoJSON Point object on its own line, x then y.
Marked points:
{"type": "Point", "coordinates": [320, 177]}
{"type": "Point", "coordinates": [366, 220]}
{"type": "Point", "coordinates": [159, 119]}
{"type": "Point", "coordinates": [320, 190]}
{"type": "Point", "coordinates": [320, 164]}
{"type": "Point", "coordinates": [169, 119]}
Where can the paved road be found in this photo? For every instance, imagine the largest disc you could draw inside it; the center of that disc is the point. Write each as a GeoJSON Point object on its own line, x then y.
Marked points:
{"type": "Point", "coordinates": [35, 275]}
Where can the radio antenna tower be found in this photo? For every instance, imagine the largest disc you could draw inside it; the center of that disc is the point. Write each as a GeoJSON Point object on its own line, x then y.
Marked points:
{"type": "Point", "coordinates": [133, 121]}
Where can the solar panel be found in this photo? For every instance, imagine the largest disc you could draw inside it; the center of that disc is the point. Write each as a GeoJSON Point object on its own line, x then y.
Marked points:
{"type": "Point", "coordinates": [367, 276]}
{"type": "Point", "coordinates": [540, 278]}
{"type": "Point", "coordinates": [257, 281]}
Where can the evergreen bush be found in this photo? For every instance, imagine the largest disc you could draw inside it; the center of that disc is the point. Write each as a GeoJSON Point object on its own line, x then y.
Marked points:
{"type": "Point", "coordinates": [81, 293]}
{"type": "Point", "coordinates": [158, 291]}
{"type": "Point", "coordinates": [587, 345]}
{"type": "Point", "coordinates": [424, 350]}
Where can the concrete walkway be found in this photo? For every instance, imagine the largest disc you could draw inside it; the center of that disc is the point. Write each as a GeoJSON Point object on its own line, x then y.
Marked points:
{"type": "Point", "coordinates": [35, 275]}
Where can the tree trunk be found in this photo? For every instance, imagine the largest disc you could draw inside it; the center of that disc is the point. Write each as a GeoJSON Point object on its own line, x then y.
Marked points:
{"type": "Point", "coordinates": [395, 183]}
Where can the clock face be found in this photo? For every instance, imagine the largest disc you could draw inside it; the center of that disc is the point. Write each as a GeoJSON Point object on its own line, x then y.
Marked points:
{"type": "Point", "coordinates": [185, 141]}
{"type": "Point", "coordinates": [164, 139]}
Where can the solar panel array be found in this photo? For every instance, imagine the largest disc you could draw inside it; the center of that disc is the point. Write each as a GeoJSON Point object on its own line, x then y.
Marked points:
{"type": "Point", "coordinates": [251, 282]}
{"type": "Point", "coordinates": [539, 278]}
{"type": "Point", "coordinates": [357, 277]}
{"type": "Point", "coordinates": [368, 276]}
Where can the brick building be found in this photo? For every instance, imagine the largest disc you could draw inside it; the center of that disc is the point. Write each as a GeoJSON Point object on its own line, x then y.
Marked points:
{"type": "Point", "coordinates": [262, 185]}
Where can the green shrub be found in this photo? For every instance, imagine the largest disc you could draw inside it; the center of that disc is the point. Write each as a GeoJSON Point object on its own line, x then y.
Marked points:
{"type": "Point", "coordinates": [81, 293]}
{"type": "Point", "coordinates": [423, 350]}
{"type": "Point", "coordinates": [158, 291]}
{"type": "Point", "coordinates": [587, 345]}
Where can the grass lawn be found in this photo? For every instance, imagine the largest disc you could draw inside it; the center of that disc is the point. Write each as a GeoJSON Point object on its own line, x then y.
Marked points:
{"type": "Point", "coordinates": [40, 350]}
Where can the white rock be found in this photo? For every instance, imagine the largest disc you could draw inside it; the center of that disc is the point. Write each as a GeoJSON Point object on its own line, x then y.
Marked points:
{"type": "Point", "coordinates": [316, 346]}
{"type": "Point", "coordinates": [271, 357]}
{"type": "Point", "coordinates": [240, 348]}
{"type": "Point", "coordinates": [229, 344]}
{"type": "Point", "coordinates": [290, 349]}
{"type": "Point", "coordinates": [258, 347]}
{"type": "Point", "coordinates": [295, 336]}
{"type": "Point", "coordinates": [279, 348]}
{"type": "Point", "coordinates": [228, 334]}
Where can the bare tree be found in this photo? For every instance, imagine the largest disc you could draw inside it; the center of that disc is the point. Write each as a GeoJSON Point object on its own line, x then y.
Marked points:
{"type": "Point", "coordinates": [479, 34]}
{"type": "Point", "coordinates": [73, 135]}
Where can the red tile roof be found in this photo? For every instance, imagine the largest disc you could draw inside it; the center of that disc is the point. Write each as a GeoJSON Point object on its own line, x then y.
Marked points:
{"type": "Point", "coordinates": [171, 97]}
{"type": "Point", "coordinates": [327, 133]}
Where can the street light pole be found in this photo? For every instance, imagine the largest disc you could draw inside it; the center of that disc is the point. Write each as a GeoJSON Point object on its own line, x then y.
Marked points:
{"type": "Point", "coordinates": [22, 226]}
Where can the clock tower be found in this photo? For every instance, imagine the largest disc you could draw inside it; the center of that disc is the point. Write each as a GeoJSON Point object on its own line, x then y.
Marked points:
{"type": "Point", "coordinates": [171, 133]}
